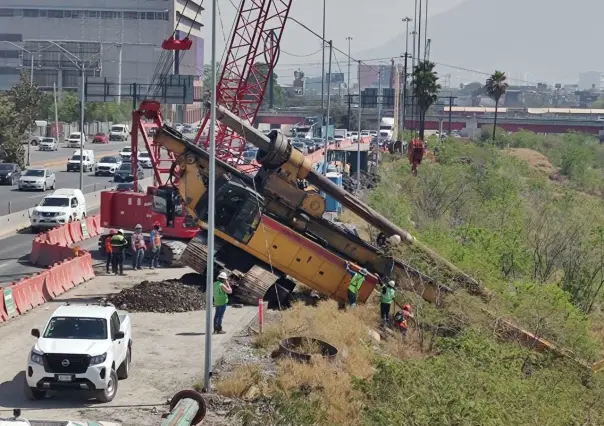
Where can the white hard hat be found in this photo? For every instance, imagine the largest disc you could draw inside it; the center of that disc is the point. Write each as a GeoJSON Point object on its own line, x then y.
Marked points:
{"type": "Point", "coordinates": [391, 283]}
{"type": "Point", "coordinates": [222, 276]}
{"type": "Point", "coordinates": [120, 231]}
{"type": "Point", "coordinates": [138, 226]}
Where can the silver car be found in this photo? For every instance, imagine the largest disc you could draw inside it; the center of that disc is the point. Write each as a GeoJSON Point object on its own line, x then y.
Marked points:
{"type": "Point", "coordinates": [37, 179]}
{"type": "Point", "coordinates": [48, 144]}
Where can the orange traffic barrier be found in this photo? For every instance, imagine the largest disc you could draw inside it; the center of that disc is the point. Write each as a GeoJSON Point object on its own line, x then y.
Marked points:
{"type": "Point", "coordinates": [92, 230]}
{"type": "Point", "coordinates": [60, 235]}
{"type": "Point", "coordinates": [75, 232]}
{"type": "Point", "coordinates": [86, 266]}
{"type": "Point", "coordinates": [36, 248]}
{"type": "Point", "coordinates": [3, 314]}
{"type": "Point", "coordinates": [21, 297]}
{"type": "Point", "coordinates": [65, 277]}
{"type": "Point", "coordinates": [36, 288]}
{"type": "Point", "coordinates": [49, 254]}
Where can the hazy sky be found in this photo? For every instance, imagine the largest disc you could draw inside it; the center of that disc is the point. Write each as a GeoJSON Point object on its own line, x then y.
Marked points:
{"type": "Point", "coordinates": [370, 23]}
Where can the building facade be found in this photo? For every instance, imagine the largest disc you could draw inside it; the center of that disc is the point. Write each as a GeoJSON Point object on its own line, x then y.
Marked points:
{"type": "Point", "coordinates": [591, 80]}
{"type": "Point", "coordinates": [116, 39]}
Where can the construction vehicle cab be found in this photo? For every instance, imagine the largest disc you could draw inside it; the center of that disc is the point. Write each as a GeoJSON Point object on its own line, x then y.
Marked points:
{"type": "Point", "coordinates": [238, 208]}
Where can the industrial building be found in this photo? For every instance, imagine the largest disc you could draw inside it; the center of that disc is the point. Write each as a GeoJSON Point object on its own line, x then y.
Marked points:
{"type": "Point", "coordinates": [116, 39]}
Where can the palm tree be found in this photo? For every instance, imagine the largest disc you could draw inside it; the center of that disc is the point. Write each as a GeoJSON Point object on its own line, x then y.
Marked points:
{"type": "Point", "coordinates": [425, 90]}
{"type": "Point", "coordinates": [496, 87]}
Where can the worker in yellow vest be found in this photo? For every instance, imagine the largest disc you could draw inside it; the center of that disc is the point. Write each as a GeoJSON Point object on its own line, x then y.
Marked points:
{"type": "Point", "coordinates": [222, 289]}
{"type": "Point", "coordinates": [357, 280]}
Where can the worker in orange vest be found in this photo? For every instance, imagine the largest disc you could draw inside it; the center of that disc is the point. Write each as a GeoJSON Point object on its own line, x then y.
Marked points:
{"type": "Point", "coordinates": [401, 319]}
{"type": "Point", "coordinates": [109, 249]}
{"type": "Point", "coordinates": [155, 238]}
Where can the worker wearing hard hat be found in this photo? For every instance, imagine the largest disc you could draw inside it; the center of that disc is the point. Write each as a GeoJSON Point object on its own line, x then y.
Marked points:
{"type": "Point", "coordinates": [138, 247]}
{"type": "Point", "coordinates": [222, 289]}
{"type": "Point", "coordinates": [118, 251]}
{"type": "Point", "coordinates": [401, 319]}
{"type": "Point", "coordinates": [108, 249]}
{"type": "Point", "coordinates": [357, 280]}
{"type": "Point", "coordinates": [387, 297]}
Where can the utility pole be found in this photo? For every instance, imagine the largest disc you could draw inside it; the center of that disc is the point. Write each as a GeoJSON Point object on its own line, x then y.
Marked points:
{"type": "Point", "coordinates": [403, 107]}
{"type": "Point", "coordinates": [82, 104]}
{"type": "Point", "coordinates": [54, 92]}
{"type": "Point", "coordinates": [359, 136]}
{"type": "Point", "coordinates": [426, 39]}
{"type": "Point", "coordinates": [414, 61]}
{"type": "Point", "coordinates": [211, 214]}
{"type": "Point", "coordinates": [349, 102]}
{"type": "Point", "coordinates": [328, 108]}
{"type": "Point", "coordinates": [119, 73]}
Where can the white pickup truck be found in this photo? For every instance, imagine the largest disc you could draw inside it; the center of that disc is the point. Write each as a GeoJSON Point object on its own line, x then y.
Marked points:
{"type": "Point", "coordinates": [82, 347]}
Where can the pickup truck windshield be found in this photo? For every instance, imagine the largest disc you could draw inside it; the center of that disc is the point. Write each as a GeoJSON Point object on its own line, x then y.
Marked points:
{"type": "Point", "coordinates": [55, 202]}
{"type": "Point", "coordinates": [76, 328]}
{"type": "Point", "coordinates": [74, 136]}
{"type": "Point", "coordinates": [117, 129]}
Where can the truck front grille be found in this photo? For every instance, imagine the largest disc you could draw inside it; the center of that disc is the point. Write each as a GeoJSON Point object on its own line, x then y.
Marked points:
{"type": "Point", "coordinates": [66, 363]}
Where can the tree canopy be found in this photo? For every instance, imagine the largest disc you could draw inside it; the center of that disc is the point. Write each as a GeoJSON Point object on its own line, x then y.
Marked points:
{"type": "Point", "coordinates": [425, 90]}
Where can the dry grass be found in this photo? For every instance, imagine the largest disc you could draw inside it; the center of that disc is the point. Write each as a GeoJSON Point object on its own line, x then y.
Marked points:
{"type": "Point", "coordinates": [329, 382]}
{"type": "Point", "coordinates": [535, 159]}
{"type": "Point", "coordinates": [237, 383]}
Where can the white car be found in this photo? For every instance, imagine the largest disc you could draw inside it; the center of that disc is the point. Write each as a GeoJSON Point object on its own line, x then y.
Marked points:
{"type": "Point", "coordinates": [126, 153]}
{"type": "Point", "coordinates": [76, 139]}
{"type": "Point", "coordinates": [107, 166]}
{"type": "Point", "coordinates": [37, 178]}
{"type": "Point", "coordinates": [62, 206]}
{"type": "Point", "coordinates": [48, 144]}
{"type": "Point", "coordinates": [81, 348]}
{"type": "Point", "coordinates": [144, 159]}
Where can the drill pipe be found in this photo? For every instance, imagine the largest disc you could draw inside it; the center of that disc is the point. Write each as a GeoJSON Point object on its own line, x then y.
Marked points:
{"type": "Point", "coordinates": [264, 143]}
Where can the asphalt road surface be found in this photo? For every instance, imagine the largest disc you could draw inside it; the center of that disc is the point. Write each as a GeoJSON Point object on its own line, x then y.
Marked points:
{"type": "Point", "coordinates": [15, 200]}
{"type": "Point", "coordinates": [61, 155]}
{"type": "Point", "coordinates": [14, 254]}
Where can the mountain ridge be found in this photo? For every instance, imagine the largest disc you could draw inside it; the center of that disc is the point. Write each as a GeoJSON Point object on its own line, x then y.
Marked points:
{"type": "Point", "coordinates": [551, 44]}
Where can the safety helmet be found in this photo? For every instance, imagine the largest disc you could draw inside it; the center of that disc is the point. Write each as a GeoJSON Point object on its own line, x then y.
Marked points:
{"type": "Point", "coordinates": [120, 231]}
{"type": "Point", "coordinates": [112, 232]}
{"type": "Point", "coordinates": [407, 308]}
{"type": "Point", "coordinates": [391, 283]}
{"type": "Point", "coordinates": [138, 226]}
{"type": "Point", "coordinates": [222, 276]}
{"type": "Point", "coordinates": [363, 271]}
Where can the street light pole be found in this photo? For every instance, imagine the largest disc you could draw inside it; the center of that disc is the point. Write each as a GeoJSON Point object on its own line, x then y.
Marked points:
{"type": "Point", "coordinates": [349, 112]}
{"type": "Point", "coordinates": [328, 108]}
{"type": "Point", "coordinates": [359, 135]}
{"type": "Point", "coordinates": [211, 213]}
{"type": "Point", "coordinates": [403, 108]}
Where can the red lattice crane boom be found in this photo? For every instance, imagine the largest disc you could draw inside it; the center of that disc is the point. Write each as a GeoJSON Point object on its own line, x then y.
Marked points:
{"type": "Point", "coordinates": [252, 54]}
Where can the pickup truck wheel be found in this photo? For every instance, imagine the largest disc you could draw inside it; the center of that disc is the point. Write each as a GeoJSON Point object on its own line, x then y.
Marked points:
{"type": "Point", "coordinates": [33, 394]}
{"type": "Point", "coordinates": [107, 394]}
{"type": "Point", "coordinates": [124, 370]}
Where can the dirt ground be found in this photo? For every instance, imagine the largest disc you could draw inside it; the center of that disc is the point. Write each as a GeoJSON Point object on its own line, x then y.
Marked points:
{"type": "Point", "coordinates": [168, 356]}
{"type": "Point", "coordinates": [537, 160]}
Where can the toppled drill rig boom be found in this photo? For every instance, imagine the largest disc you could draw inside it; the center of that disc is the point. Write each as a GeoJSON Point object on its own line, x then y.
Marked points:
{"type": "Point", "coordinates": [270, 228]}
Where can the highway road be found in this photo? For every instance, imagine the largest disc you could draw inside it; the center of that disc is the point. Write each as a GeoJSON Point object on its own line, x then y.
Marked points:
{"type": "Point", "coordinates": [14, 254]}
{"type": "Point", "coordinates": [15, 200]}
